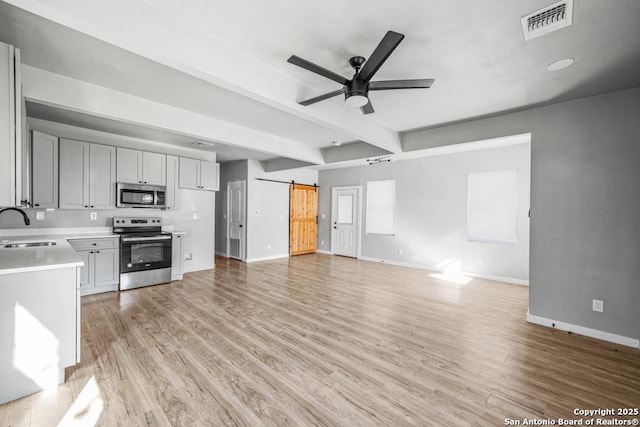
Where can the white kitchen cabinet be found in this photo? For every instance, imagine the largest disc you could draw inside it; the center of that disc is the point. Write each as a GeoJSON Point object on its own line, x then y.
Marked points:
{"type": "Point", "coordinates": [101, 271]}
{"type": "Point", "coordinates": [44, 178]}
{"type": "Point", "coordinates": [141, 167]}
{"type": "Point", "coordinates": [177, 256]}
{"type": "Point", "coordinates": [172, 182]}
{"type": "Point", "coordinates": [13, 143]}
{"type": "Point", "coordinates": [40, 333]}
{"type": "Point", "coordinates": [87, 175]}
{"type": "Point", "coordinates": [199, 175]}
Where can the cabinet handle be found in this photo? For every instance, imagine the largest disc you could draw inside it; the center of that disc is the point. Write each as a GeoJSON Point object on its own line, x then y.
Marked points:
{"type": "Point", "coordinates": [94, 244]}
{"type": "Point", "coordinates": [91, 252]}
{"type": "Point", "coordinates": [139, 182]}
{"type": "Point", "coordinates": [97, 252]}
{"type": "Point", "coordinates": [37, 204]}
{"type": "Point", "coordinates": [145, 182]}
{"type": "Point", "coordinates": [91, 205]}
{"type": "Point", "coordinates": [86, 206]}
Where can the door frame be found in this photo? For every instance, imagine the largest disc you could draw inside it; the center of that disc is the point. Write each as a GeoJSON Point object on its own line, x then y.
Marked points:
{"type": "Point", "coordinates": [358, 189]}
{"type": "Point", "coordinates": [243, 244]}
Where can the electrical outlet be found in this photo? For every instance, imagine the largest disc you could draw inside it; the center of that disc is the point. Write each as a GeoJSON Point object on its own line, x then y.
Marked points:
{"type": "Point", "coordinates": [94, 216]}
{"type": "Point", "coordinates": [323, 216]}
{"type": "Point", "coordinates": [40, 216]}
{"type": "Point", "coordinates": [194, 215]}
{"type": "Point", "coordinates": [321, 242]}
{"type": "Point", "coordinates": [598, 305]}
{"type": "Point", "coordinates": [268, 247]}
{"type": "Point", "coordinates": [400, 251]}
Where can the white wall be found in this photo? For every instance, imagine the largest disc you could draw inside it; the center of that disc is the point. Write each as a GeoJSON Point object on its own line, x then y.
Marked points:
{"type": "Point", "coordinates": [431, 212]}
{"type": "Point", "coordinates": [268, 209]}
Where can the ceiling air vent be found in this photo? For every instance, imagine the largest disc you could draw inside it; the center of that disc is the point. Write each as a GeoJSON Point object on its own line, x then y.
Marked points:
{"type": "Point", "coordinates": [544, 21]}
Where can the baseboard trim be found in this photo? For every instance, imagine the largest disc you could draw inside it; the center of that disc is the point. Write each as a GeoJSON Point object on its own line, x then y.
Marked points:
{"type": "Point", "coordinates": [581, 330]}
{"type": "Point", "coordinates": [504, 279]}
{"type": "Point", "coordinates": [266, 258]}
{"type": "Point", "coordinates": [222, 254]}
{"type": "Point", "coordinates": [320, 251]}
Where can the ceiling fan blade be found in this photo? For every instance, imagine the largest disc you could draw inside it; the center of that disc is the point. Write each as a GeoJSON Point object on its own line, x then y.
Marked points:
{"type": "Point", "coordinates": [368, 108]}
{"type": "Point", "coordinates": [303, 63]}
{"type": "Point", "coordinates": [401, 84]}
{"type": "Point", "coordinates": [387, 45]}
{"type": "Point", "coordinates": [321, 97]}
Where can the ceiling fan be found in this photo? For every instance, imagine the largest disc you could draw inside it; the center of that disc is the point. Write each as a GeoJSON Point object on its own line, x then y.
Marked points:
{"type": "Point", "coordinates": [356, 90]}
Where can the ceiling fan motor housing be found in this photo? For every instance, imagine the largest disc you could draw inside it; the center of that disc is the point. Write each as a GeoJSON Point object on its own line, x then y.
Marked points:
{"type": "Point", "coordinates": [356, 87]}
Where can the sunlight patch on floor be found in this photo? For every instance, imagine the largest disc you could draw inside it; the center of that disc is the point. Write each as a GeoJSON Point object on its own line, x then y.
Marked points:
{"type": "Point", "coordinates": [86, 409]}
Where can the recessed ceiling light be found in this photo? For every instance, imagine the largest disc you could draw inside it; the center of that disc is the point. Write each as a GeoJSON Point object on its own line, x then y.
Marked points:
{"type": "Point", "coordinates": [560, 64]}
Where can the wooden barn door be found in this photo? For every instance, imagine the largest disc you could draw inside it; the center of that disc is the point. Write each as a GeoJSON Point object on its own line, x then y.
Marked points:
{"type": "Point", "coordinates": [303, 219]}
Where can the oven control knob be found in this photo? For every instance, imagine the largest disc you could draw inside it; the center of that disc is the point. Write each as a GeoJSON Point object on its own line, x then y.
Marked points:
{"type": "Point", "coordinates": [129, 265]}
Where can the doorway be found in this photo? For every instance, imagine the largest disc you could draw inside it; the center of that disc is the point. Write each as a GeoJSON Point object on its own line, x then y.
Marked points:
{"type": "Point", "coordinates": [345, 220]}
{"type": "Point", "coordinates": [303, 219]}
{"type": "Point", "coordinates": [236, 214]}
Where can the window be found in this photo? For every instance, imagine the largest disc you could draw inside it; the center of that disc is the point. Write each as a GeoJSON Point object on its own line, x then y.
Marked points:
{"type": "Point", "coordinates": [492, 207]}
{"type": "Point", "coordinates": [381, 198]}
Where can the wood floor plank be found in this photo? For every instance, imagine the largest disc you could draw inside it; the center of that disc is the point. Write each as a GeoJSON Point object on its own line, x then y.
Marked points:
{"type": "Point", "coordinates": [321, 340]}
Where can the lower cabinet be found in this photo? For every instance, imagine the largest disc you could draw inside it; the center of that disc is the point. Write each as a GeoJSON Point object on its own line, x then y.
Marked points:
{"type": "Point", "coordinates": [101, 271]}
{"type": "Point", "coordinates": [177, 257]}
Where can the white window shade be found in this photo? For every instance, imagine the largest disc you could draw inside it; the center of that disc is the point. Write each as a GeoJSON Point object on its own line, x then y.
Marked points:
{"type": "Point", "coordinates": [492, 207]}
{"type": "Point", "coordinates": [381, 199]}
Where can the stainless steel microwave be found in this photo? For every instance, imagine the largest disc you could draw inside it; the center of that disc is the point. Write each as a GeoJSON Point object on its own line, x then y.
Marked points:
{"type": "Point", "coordinates": [140, 195]}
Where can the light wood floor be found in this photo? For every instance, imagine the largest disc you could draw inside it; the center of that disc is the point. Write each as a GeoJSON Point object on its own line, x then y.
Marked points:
{"type": "Point", "coordinates": [321, 340]}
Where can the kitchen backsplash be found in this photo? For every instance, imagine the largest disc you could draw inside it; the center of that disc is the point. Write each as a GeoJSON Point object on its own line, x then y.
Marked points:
{"type": "Point", "coordinates": [82, 218]}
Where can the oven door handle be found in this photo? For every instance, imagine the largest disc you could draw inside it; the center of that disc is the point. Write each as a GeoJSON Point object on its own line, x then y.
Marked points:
{"type": "Point", "coordinates": [145, 239]}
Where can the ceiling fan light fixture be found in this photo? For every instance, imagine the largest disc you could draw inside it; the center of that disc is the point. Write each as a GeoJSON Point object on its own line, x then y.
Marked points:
{"type": "Point", "coordinates": [356, 100]}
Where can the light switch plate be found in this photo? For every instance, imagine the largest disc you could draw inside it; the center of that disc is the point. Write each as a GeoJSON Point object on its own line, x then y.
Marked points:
{"type": "Point", "coordinates": [94, 216]}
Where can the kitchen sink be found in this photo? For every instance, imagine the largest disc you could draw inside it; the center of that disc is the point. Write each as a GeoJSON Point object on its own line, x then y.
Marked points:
{"type": "Point", "coordinates": [28, 244]}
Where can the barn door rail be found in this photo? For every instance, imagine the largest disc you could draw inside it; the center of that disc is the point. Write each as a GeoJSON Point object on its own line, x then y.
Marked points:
{"type": "Point", "coordinates": [292, 182]}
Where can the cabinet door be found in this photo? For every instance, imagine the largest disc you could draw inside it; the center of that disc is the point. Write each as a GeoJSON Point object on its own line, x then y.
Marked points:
{"type": "Point", "coordinates": [172, 184]}
{"type": "Point", "coordinates": [189, 174]}
{"type": "Point", "coordinates": [129, 166]}
{"type": "Point", "coordinates": [154, 168]}
{"type": "Point", "coordinates": [177, 259]}
{"type": "Point", "coordinates": [209, 173]}
{"type": "Point", "coordinates": [74, 174]}
{"type": "Point", "coordinates": [106, 270]}
{"type": "Point", "coordinates": [102, 176]}
{"type": "Point", "coordinates": [86, 271]}
{"type": "Point", "coordinates": [44, 152]}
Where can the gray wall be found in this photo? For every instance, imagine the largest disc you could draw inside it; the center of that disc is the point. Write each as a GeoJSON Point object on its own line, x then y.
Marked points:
{"type": "Point", "coordinates": [431, 212]}
{"type": "Point", "coordinates": [585, 239]}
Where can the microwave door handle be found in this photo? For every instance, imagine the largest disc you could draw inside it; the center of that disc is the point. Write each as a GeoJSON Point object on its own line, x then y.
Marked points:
{"type": "Point", "coordinates": [145, 239]}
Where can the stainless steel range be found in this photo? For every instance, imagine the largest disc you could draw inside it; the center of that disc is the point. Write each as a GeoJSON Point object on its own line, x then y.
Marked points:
{"type": "Point", "coordinates": [145, 251]}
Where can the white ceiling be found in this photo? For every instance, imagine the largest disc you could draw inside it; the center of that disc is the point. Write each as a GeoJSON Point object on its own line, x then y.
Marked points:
{"type": "Point", "coordinates": [228, 59]}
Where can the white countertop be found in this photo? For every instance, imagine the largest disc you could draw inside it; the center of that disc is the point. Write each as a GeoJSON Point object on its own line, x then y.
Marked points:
{"type": "Point", "coordinates": [22, 260]}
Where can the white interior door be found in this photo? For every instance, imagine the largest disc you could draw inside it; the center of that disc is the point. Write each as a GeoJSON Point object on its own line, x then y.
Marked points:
{"type": "Point", "coordinates": [236, 215]}
{"type": "Point", "coordinates": [345, 221]}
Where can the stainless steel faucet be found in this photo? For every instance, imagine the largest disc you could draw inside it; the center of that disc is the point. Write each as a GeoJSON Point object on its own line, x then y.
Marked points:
{"type": "Point", "coordinates": [24, 214]}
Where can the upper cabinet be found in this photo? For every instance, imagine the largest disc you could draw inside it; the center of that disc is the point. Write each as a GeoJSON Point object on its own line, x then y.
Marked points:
{"type": "Point", "coordinates": [172, 182]}
{"type": "Point", "coordinates": [87, 175]}
{"type": "Point", "coordinates": [12, 124]}
{"type": "Point", "coordinates": [44, 178]}
{"type": "Point", "coordinates": [141, 167]}
{"type": "Point", "coordinates": [199, 174]}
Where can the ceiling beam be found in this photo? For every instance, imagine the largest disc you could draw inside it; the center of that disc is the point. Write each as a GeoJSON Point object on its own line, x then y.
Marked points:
{"type": "Point", "coordinates": [67, 93]}
{"type": "Point", "coordinates": [194, 51]}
